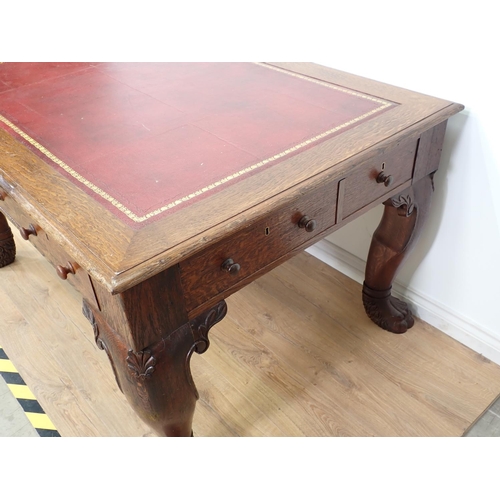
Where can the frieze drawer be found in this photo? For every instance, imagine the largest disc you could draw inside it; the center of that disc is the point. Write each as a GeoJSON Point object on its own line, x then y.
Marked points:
{"type": "Point", "coordinates": [233, 259]}
{"type": "Point", "coordinates": [376, 177]}
{"type": "Point", "coordinates": [29, 229]}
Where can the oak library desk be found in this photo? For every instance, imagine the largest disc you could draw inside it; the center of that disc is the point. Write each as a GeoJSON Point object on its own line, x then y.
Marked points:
{"type": "Point", "coordinates": [158, 190]}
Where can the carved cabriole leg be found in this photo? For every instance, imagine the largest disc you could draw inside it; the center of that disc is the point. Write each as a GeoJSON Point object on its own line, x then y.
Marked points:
{"type": "Point", "coordinates": [7, 245]}
{"type": "Point", "coordinates": [157, 380]}
{"type": "Point", "coordinates": [401, 224]}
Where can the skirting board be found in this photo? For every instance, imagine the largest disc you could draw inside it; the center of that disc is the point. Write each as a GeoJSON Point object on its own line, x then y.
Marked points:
{"type": "Point", "coordinates": [434, 313]}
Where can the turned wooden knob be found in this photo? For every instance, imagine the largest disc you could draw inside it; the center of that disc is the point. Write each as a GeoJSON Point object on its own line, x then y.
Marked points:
{"type": "Point", "coordinates": [387, 180]}
{"type": "Point", "coordinates": [231, 267]}
{"type": "Point", "coordinates": [2, 195]}
{"type": "Point", "coordinates": [308, 224]}
{"type": "Point", "coordinates": [63, 271]}
{"type": "Point", "coordinates": [27, 232]}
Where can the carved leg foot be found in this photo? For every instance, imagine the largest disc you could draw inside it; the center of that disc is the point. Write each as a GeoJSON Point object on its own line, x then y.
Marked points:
{"type": "Point", "coordinates": [157, 380]}
{"type": "Point", "coordinates": [401, 224]}
{"type": "Point", "coordinates": [387, 311]}
{"type": "Point", "coordinates": [7, 245]}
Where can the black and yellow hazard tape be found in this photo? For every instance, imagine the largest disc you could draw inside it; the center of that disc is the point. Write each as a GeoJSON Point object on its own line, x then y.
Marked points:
{"type": "Point", "coordinates": [32, 408]}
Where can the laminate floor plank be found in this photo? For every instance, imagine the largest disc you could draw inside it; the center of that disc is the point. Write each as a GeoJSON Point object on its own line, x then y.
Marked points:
{"type": "Point", "coordinates": [333, 377]}
{"type": "Point", "coordinates": [456, 379]}
{"type": "Point", "coordinates": [222, 398]}
{"type": "Point", "coordinates": [295, 356]}
{"type": "Point", "coordinates": [239, 363]}
{"type": "Point", "coordinates": [51, 344]}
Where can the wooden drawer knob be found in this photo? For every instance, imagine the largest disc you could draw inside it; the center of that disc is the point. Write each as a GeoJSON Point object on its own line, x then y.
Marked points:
{"type": "Point", "coordinates": [308, 224]}
{"type": "Point", "coordinates": [27, 232]}
{"type": "Point", "coordinates": [2, 195]}
{"type": "Point", "coordinates": [387, 180]}
{"type": "Point", "coordinates": [231, 267]}
{"type": "Point", "coordinates": [63, 271]}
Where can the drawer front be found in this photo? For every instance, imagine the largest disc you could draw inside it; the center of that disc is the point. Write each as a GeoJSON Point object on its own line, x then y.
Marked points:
{"type": "Point", "coordinates": [394, 165]}
{"type": "Point", "coordinates": [46, 246]}
{"type": "Point", "coordinates": [257, 246]}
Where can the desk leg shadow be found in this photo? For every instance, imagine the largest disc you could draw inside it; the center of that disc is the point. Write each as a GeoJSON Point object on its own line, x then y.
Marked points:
{"type": "Point", "coordinates": [7, 245]}
{"type": "Point", "coordinates": [402, 221]}
{"type": "Point", "coordinates": [157, 380]}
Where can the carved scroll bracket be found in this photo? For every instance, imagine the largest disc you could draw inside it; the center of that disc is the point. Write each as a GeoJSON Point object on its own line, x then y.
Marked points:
{"type": "Point", "coordinates": [142, 364]}
{"type": "Point", "coordinates": [87, 312]}
{"type": "Point", "coordinates": [157, 380]}
{"type": "Point", "coordinates": [201, 325]}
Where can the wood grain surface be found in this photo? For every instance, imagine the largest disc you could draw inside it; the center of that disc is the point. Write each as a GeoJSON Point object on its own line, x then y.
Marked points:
{"type": "Point", "coordinates": [119, 257]}
{"type": "Point", "coordinates": [295, 356]}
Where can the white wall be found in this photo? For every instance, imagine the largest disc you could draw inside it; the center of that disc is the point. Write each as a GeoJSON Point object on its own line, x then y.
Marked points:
{"type": "Point", "coordinates": [445, 50]}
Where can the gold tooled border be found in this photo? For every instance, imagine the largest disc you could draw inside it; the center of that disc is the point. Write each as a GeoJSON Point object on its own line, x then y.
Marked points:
{"type": "Point", "coordinates": [325, 84]}
{"type": "Point", "coordinates": [136, 218]}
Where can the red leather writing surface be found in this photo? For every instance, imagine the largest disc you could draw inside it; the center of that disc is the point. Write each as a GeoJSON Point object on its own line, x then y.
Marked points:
{"type": "Point", "coordinates": [149, 139]}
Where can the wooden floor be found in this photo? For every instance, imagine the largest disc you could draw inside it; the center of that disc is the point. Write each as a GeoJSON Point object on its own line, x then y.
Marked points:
{"type": "Point", "coordinates": [295, 356]}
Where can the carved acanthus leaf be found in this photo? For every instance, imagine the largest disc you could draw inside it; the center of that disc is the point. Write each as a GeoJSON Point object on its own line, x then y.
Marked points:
{"type": "Point", "coordinates": [405, 205]}
{"type": "Point", "coordinates": [141, 364]}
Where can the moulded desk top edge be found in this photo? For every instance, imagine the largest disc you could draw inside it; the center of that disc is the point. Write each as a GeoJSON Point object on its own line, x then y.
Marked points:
{"type": "Point", "coordinates": [174, 255]}
{"type": "Point", "coordinates": [122, 271]}
{"type": "Point", "coordinates": [120, 278]}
